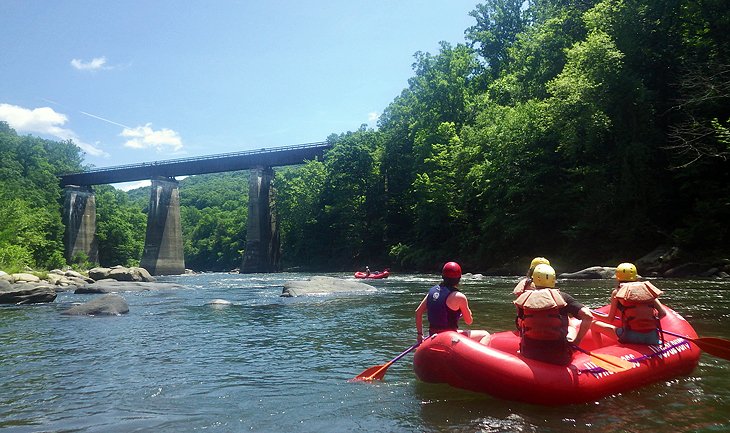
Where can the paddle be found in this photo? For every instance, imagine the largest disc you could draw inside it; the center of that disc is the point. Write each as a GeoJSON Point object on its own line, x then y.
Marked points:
{"type": "Point", "coordinates": [377, 372]}
{"type": "Point", "coordinates": [607, 362]}
{"type": "Point", "coordinates": [713, 345]}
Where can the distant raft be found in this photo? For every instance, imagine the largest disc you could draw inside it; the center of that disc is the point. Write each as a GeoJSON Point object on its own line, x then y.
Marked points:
{"type": "Point", "coordinates": [498, 369]}
{"type": "Point", "coordinates": [373, 275]}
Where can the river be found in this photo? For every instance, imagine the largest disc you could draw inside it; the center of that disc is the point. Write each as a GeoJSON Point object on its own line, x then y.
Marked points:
{"type": "Point", "coordinates": [270, 364]}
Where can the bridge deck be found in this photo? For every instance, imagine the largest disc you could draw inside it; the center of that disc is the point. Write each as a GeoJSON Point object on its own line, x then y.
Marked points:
{"type": "Point", "coordinates": [273, 157]}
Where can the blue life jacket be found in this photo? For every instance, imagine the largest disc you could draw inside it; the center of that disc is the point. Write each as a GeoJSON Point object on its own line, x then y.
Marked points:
{"type": "Point", "coordinates": [440, 316]}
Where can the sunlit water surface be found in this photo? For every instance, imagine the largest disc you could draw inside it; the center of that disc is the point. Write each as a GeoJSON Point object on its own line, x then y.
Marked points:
{"type": "Point", "coordinates": [272, 364]}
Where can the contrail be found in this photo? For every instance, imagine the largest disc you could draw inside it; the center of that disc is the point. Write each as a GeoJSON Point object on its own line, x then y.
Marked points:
{"type": "Point", "coordinates": [103, 119]}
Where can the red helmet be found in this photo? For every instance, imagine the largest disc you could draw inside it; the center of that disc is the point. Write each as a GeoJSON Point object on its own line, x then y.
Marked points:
{"type": "Point", "coordinates": [451, 270]}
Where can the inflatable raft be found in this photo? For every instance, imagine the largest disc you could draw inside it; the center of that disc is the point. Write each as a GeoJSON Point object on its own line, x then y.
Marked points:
{"type": "Point", "coordinates": [499, 370]}
{"type": "Point", "coordinates": [373, 275]}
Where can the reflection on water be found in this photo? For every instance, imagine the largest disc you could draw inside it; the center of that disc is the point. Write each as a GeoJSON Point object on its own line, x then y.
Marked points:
{"type": "Point", "coordinates": [261, 362]}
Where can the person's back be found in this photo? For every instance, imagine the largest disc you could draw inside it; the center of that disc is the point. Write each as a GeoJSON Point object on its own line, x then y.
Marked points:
{"type": "Point", "coordinates": [543, 320]}
{"type": "Point", "coordinates": [445, 305]}
{"type": "Point", "coordinates": [637, 305]}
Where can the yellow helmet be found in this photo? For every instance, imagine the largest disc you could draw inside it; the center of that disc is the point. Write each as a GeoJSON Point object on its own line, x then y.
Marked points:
{"type": "Point", "coordinates": [537, 261]}
{"type": "Point", "coordinates": [543, 276]}
{"type": "Point", "coordinates": [626, 272]}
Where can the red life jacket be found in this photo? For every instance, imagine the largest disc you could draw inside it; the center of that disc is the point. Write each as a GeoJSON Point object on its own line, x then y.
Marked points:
{"type": "Point", "coordinates": [636, 304]}
{"type": "Point", "coordinates": [539, 315]}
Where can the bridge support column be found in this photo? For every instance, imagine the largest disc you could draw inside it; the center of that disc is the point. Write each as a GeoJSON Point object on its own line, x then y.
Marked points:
{"type": "Point", "coordinates": [262, 252]}
{"type": "Point", "coordinates": [79, 217]}
{"type": "Point", "coordinates": [163, 244]}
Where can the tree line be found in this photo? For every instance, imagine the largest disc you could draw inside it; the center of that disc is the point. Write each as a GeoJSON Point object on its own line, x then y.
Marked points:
{"type": "Point", "coordinates": [590, 132]}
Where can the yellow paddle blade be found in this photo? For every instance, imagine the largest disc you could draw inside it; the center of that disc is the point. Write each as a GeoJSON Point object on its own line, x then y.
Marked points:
{"type": "Point", "coordinates": [611, 363]}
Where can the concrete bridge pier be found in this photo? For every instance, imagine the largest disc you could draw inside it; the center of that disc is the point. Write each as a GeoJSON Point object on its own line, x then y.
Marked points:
{"type": "Point", "coordinates": [163, 245]}
{"type": "Point", "coordinates": [262, 252]}
{"type": "Point", "coordinates": [79, 217]}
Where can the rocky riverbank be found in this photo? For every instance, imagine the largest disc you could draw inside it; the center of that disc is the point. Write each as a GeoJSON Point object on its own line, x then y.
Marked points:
{"type": "Point", "coordinates": [28, 288]}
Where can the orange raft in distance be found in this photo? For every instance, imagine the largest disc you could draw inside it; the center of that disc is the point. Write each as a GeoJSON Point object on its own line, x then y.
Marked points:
{"type": "Point", "coordinates": [373, 275]}
{"type": "Point", "coordinates": [498, 369]}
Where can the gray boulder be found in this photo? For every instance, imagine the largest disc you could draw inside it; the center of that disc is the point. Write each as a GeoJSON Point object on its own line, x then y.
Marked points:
{"type": "Point", "coordinates": [592, 273]}
{"type": "Point", "coordinates": [323, 285]}
{"type": "Point", "coordinates": [120, 273]}
{"type": "Point", "coordinates": [26, 293]}
{"type": "Point", "coordinates": [114, 286]}
{"type": "Point", "coordinates": [24, 278]}
{"type": "Point", "coordinates": [107, 305]}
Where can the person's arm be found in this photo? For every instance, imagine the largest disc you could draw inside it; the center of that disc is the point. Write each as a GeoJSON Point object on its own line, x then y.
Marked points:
{"type": "Point", "coordinates": [586, 318]}
{"type": "Point", "coordinates": [462, 304]}
{"type": "Point", "coordinates": [422, 308]}
{"type": "Point", "coordinates": [612, 310]}
{"type": "Point", "coordinates": [520, 287]}
{"type": "Point", "coordinates": [661, 312]}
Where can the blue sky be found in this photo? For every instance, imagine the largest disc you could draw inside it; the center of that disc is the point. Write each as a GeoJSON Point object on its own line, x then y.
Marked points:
{"type": "Point", "coordinates": [144, 80]}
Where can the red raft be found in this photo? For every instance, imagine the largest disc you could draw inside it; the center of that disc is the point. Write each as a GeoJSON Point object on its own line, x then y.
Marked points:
{"type": "Point", "coordinates": [498, 368]}
{"type": "Point", "coordinates": [373, 275]}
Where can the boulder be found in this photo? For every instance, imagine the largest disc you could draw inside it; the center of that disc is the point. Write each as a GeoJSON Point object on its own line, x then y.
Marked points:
{"type": "Point", "coordinates": [26, 293]}
{"type": "Point", "coordinates": [99, 273]}
{"type": "Point", "coordinates": [323, 285]}
{"type": "Point", "coordinates": [592, 273]}
{"type": "Point", "coordinates": [685, 270]}
{"type": "Point", "coordinates": [107, 305]}
{"type": "Point", "coordinates": [24, 278]}
{"type": "Point", "coordinates": [130, 274]}
{"type": "Point", "coordinates": [114, 286]}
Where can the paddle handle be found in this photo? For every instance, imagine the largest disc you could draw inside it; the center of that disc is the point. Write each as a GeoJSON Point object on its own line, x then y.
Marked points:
{"type": "Point", "coordinates": [405, 352]}
{"type": "Point", "coordinates": [677, 335]}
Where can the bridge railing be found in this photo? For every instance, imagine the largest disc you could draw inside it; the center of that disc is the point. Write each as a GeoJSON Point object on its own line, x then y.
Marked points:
{"type": "Point", "coordinates": [263, 150]}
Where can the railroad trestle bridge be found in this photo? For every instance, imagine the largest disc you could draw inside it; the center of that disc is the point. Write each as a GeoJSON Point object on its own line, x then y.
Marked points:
{"type": "Point", "coordinates": [163, 247]}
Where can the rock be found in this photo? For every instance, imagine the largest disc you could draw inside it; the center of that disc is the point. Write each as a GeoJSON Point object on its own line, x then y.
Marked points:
{"type": "Point", "coordinates": [24, 278]}
{"type": "Point", "coordinates": [144, 274]}
{"type": "Point", "coordinates": [592, 273]}
{"type": "Point", "coordinates": [99, 273]}
{"type": "Point", "coordinates": [114, 286]}
{"type": "Point", "coordinates": [685, 270]}
{"type": "Point", "coordinates": [107, 305]}
{"type": "Point", "coordinates": [323, 285]}
{"type": "Point", "coordinates": [120, 273]}
{"type": "Point", "coordinates": [658, 260]}
{"type": "Point", "coordinates": [26, 293]}
{"type": "Point", "coordinates": [73, 275]}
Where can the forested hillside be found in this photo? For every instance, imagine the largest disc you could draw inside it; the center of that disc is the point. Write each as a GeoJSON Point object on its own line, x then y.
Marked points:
{"type": "Point", "coordinates": [590, 132]}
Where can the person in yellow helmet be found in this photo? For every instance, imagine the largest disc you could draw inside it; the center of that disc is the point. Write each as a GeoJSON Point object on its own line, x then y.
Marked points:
{"type": "Point", "coordinates": [544, 319]}
{"type": "Point", "coordinates": [638, 307]}
{"type": "Point", "coordinates": [526, 283]}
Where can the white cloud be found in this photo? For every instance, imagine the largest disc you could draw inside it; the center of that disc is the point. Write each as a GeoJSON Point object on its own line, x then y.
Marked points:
{"type": "Point", "coordinates": [373, 117]}
{"type": "Point", "coordinates": [44, 121]}
{"type": "Point", "coordinates": [93, 65]}
{"type": "Point", "coordinates": [144, 137]}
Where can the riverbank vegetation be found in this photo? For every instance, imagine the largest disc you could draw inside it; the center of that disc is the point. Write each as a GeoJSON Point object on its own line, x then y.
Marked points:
{"type": "Point", "coordinates": [589, 132]}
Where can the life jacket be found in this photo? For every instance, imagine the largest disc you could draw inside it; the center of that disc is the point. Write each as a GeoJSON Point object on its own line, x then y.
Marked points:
{"type": "Point", "coordinates": [539, 315]}
{"type": "Point", "coordinates": [636, 305]}
{"type": "Point", "coordinates": [440, 316]}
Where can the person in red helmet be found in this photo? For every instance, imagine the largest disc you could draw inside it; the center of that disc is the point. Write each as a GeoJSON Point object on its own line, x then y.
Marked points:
{"type": "Point", "coordinates": [445, 304]}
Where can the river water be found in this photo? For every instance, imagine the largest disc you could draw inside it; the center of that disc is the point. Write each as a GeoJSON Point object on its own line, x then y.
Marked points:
{"type": "Point", "coordinates": [271, 364]}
